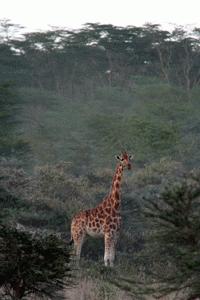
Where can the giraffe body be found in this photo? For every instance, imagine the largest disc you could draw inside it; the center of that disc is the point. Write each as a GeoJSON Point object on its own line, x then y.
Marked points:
{"type": "Point", "coordinates": [103, 220]}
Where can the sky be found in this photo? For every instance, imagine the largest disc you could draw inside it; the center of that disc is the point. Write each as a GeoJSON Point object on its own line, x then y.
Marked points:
{"type": "Point", "coordinates": [72, 14]}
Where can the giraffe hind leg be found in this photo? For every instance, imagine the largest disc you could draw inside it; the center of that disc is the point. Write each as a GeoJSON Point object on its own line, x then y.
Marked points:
{"type": "Point", "coordinates": [78, 243]}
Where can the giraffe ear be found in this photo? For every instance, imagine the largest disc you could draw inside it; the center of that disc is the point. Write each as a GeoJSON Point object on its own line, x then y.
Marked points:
{"type": "Point", "coordinates": [117, 157]}
{"type": "Point", "coordinates": [131, 157]}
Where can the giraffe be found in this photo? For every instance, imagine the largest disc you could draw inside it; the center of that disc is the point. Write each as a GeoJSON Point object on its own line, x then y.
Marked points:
{"type": "Point", "coordinates": [103, 220]}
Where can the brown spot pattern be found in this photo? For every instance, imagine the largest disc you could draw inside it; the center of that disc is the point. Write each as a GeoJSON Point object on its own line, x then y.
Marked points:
{"type": "Point", "coordinates": [117, 195]}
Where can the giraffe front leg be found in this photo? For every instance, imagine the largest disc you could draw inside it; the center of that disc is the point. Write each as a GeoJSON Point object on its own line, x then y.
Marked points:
{"type": "Point", "coordinates": [112, 254]}
{"type": "Point", "coordinates": [109, 254]}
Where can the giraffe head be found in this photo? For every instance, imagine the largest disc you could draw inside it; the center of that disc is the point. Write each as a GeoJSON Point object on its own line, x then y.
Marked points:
{"type": "Point", "coordinates": [125, 159]}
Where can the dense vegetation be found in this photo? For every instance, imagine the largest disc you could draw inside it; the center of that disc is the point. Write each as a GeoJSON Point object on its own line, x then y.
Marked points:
{"type": "Point", "coordinates": [31, 265]}
{"type": "Point", "coordinates": [70, 101]}
{"type": "Point", "coordinates": [175, 214]}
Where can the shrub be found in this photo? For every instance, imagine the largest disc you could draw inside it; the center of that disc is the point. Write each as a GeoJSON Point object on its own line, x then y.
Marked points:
{"type": "Point", "coordinates": [175, 215]}
{"type": "Point", "coordinates": [32, 264]}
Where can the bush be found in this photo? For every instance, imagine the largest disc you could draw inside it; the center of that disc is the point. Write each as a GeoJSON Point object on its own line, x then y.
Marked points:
{"type": "Point", "coordinates": [32, 264]}
{"type": "Point", "coordinates": [175, 241]}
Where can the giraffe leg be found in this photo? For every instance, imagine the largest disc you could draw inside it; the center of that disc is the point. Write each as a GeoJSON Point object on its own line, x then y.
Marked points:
{"type": "Point", "coordinates": [107, 250]}
{"type": "Point", "coordinates": [78, 243]}
{"type": "Point", "coordinates": [113, 247]}
{"type": "Point", "coordinates": [110, 245]}
{"type": "Point", "coordinates": [112, 254]}
{"type": "Point", "coordinates": [109, 254]}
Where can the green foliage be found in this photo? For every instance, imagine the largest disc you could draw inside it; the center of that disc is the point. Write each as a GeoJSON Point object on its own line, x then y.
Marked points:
{"type": "Point", "coordinates": [150, 137]}
{"type": "Point", "coordinates": [11, 141]}
{"type": "Point", "coordinates": [158, 122]}
{"type": "Point", "coordinates": [147, 102]}
{"type": "Point", "coordinates": [50, 197]}
{"type": "Point", "coordinates": [175, 215]}
{"type": "Point", "coordinates": [32, 264]}
{"type": "Point", "coordinates": [158, 172]}
{"type": "Point", "coordinates": [70, 101]}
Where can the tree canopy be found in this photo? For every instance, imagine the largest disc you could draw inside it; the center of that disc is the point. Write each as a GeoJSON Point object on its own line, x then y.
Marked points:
{"type": "Point", "coordinates": [32, 264]}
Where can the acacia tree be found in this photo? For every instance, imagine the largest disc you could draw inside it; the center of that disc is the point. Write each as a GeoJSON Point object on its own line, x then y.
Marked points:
{"type": "Point", "coordinates": [175, 215]}
{"type": "Point", "coordinates": [32, 264]}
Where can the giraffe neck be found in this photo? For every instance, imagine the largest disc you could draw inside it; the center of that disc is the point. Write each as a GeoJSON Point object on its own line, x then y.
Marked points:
{"type": "Point", "coordinates": [116, 185]}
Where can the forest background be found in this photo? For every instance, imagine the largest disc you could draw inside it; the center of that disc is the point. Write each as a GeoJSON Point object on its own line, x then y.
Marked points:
{"type": "Point", "coordinates": [72, 99]}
